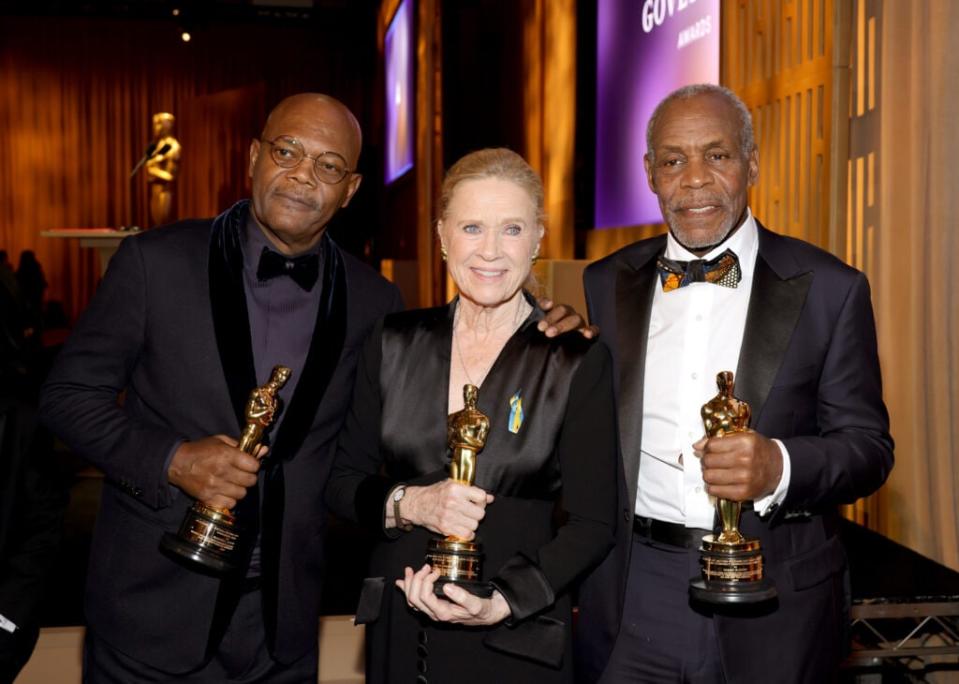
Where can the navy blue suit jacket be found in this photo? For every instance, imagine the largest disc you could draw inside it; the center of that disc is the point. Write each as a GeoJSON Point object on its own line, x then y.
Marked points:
{"type": "Point", "coordinates": [809, 369]}
{"type": "Point", "coordinates": [168, 325]}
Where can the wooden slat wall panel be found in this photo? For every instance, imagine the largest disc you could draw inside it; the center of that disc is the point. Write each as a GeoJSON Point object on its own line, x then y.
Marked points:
{"type": "Point", "coordinates": [862, 207]}
{"type": "Point", "coordinates": [862, 211]}
{"type": "Point", "coordinates": [777, 55]}
{"type": "Point", "coordinates": [781, 57]}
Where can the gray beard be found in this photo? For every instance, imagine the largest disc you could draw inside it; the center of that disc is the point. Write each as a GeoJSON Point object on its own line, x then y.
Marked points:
{"type": "Point", "coordinates": [693, 247]}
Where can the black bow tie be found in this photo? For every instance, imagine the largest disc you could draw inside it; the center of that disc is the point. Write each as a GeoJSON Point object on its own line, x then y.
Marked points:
{"type": "Point", "coordinates": [304, 270]}
{"type": "Point", "coordinates": [723, 270]}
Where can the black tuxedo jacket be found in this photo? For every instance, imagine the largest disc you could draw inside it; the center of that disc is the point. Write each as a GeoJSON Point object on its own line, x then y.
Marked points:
{"type": "Point", "coordinates": [169, 325]}
{"type": "Point", "coordinates": [809, 369]}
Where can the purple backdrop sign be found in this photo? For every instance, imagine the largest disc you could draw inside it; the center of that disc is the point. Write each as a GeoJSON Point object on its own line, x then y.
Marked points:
{"type": "Point", "coordinates": [645, 50]}
{"type": "Point", "coordinates": [399, 92]}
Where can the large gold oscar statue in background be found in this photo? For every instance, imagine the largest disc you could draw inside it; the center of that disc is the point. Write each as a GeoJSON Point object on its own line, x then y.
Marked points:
{"type": "Point", "coordinates": [732, 565]}
{"type": "Point", "coordinates": [162, 167]}
{"type": "Point", "coordinates": [460, 561]}
{"type": "Point", "coordinates": [210, 537]}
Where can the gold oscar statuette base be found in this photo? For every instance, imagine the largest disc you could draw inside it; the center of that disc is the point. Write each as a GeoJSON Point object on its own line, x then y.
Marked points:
{"type": "Point", "coordinates": [210, 539]}
{"type": "Point", "coordinates": [732, 573]}
{"type": "Point", "coordinates": [459, 562]}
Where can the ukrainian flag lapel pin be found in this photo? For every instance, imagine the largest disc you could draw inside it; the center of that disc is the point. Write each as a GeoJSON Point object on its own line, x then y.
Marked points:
{"type": "Point", "coordinates": [516, 412]}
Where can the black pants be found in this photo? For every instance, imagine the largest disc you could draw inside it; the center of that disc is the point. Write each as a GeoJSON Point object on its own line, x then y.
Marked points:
{"type": "Point", "coordinates": [242, 658]}
{"type": "Point", "coordinates": [663, 637]}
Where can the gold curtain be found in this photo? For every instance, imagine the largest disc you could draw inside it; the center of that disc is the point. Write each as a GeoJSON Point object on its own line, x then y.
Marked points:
{"type": "Point", "coordinates": [916, 286]}
{"type": "Point", "coordinates": [62, 133]}
{"type": "Point", "coordinates": [549, 56]}
{"type": "Point", "coordinates": [216, 131]}
{"type": "Point", "coordinates": [76, 99]}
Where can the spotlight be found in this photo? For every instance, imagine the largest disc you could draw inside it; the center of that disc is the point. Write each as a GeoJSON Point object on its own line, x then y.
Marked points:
{"type": "Point", "coordinates": [176, 12]}
{"type": "Point", "coordinates": [185, 36]}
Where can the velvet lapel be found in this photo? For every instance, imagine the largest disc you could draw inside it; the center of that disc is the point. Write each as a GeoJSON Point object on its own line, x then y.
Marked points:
{"type": "Point", "coordinates": [231, 322]}
{"type": "Point", "coordinates": [775, 303]}
{"type": "Point", "coordinates": [231, 325]}
{"type": "Point", "coordinates": [322, 359]}
{"type": "Point", "coordinates": [634, 301]}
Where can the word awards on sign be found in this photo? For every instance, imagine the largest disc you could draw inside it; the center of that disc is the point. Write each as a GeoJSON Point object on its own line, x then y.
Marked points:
{"type": "Point", "coordinates": [693, 33]}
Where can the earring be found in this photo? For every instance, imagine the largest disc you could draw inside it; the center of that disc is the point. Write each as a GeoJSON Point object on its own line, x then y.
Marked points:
{"type": "Point", "coordinates": [533, 259]}
{"type": "Point", "coordinates": [444, 253]}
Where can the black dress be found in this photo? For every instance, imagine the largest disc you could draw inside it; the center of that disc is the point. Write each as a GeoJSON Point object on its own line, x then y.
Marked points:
{"type": "Point", "coordinates": [553, 475]}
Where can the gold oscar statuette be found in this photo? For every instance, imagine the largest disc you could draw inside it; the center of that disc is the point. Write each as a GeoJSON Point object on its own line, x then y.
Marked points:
{"type": "Point", "coordinates": [162, 167]}
{"type": "Point", "coordinates": [459, 561]}
{"type": "Point", "coordinates": [210, 537]}
{"type": "Point", "coordinates": [732, 565]}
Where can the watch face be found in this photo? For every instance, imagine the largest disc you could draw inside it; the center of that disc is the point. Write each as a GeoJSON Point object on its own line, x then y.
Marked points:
{"type": "Point", "coordinates": [398, 494]}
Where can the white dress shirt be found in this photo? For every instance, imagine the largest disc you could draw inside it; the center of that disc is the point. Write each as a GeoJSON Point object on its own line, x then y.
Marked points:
{"type": "Point", "coordinates": [7, 625]}
{"type": "Point", "coordinates": [694, 333]}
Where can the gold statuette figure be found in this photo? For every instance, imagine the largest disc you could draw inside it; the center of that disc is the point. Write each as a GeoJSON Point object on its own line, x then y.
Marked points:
{"type": "Point", "coordinates": [466, 433]}
{"type": "Point", "coordinates": [210, 537]}
{"type": "Point", "coordinates": [458, 560]}
{"type": "Point", "coordinates": [732, 565]}
{"type": "Point", "coordinates": [261, 409]}
{"type": "Point", "coordinates": [161, 168]}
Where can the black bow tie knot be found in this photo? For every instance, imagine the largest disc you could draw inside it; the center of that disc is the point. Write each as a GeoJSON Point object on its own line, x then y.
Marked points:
{"type": "Point", "coordinates": [304, 270]}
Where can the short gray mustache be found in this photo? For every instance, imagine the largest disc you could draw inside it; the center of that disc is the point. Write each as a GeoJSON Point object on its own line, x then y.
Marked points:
{"type": "Point", "coordinates": [296, 198]}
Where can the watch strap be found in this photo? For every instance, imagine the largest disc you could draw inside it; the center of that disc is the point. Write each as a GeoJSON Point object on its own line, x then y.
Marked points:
{"type": "Point", "coordinates": [397, 495]}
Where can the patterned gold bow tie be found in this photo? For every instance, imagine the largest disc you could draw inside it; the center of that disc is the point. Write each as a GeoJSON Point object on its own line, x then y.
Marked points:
{"type": "Point", "coordinates": [723, 270]}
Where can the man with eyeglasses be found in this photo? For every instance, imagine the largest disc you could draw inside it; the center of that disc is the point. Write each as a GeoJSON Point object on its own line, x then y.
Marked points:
{"type": "Point", "coordinates": [187, 320]}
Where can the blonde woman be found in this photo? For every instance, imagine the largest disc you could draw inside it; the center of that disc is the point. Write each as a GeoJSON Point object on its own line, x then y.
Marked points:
{"type": "Point", "coordinates": [543, 501]}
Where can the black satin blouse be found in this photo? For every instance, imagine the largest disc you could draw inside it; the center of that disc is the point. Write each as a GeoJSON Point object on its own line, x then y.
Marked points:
{"type": "Point", "coordinates": [553, 471]}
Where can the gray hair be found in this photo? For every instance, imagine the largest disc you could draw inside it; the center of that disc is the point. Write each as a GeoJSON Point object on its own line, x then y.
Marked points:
{"type": "Point", "coordinates": [746, 139]}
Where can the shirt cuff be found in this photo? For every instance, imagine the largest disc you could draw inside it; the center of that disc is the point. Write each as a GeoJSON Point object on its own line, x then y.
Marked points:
{"type": "Point", "coordinates": [768, 504]}
{"type": "Point", "coordinates": [7, 625]}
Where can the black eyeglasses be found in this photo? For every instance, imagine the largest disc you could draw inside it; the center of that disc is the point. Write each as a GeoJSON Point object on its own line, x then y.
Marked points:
{"type": "Point", "coordinates": [288, 152]}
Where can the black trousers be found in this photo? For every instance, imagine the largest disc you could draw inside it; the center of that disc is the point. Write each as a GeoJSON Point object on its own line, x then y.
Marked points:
{"type": "Point", "coordinates": [663, 637]}
{"type": "Point", "coordinates": [242, 658]}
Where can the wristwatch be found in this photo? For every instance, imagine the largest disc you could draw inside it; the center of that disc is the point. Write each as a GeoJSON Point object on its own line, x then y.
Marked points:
{"type": "Point", "coordinates": [397, 496]}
